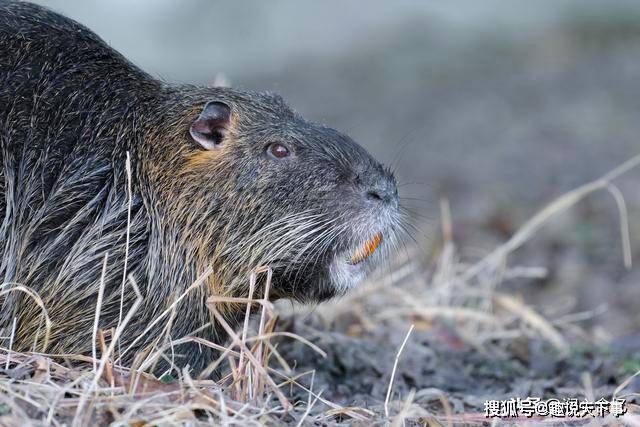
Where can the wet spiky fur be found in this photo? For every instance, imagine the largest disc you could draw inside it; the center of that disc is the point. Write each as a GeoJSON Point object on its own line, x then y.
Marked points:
{"type": "Point", "coordinates": [72, 109]}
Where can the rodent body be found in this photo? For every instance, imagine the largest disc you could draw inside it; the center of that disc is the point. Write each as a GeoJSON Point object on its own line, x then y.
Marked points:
{"type": "Point", "coordinates": [219, 178]}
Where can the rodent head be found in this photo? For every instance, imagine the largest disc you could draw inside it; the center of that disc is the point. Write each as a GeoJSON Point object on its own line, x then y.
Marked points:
{"type": "Point", "coordinates": [253, 183]}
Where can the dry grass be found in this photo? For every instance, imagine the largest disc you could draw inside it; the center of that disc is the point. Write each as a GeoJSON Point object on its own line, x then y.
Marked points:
{"type": "Point", "coordinates": [257, 384]}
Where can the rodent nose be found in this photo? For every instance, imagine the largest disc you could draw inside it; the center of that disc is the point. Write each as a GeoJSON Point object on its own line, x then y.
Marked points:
{"type": "Point", "coordinates": [374, 195]}
{"type": "Point", "coordinates": [383, 190]}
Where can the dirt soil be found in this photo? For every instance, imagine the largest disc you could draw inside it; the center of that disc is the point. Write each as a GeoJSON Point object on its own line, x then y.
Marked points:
{"type": "Point", "coordinates": [437, 364]}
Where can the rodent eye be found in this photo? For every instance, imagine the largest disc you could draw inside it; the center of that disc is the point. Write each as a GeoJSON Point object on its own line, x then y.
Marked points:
{"type": "Point", "coordinates": [278, 151]}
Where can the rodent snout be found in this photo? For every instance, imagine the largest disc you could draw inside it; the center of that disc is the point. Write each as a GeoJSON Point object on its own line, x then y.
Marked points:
{"type": "Point", "coordinates": [383, 192]}
{"type": "Point", "coordinates": [381, 188]}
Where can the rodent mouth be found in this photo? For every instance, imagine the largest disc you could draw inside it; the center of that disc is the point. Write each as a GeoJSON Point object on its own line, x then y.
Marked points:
{"type": "Point", "coordinates": [367, 249]}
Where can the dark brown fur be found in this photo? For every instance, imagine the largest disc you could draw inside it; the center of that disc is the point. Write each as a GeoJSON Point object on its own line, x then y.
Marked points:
{"type": "Point", "coordinates": [71, 109]}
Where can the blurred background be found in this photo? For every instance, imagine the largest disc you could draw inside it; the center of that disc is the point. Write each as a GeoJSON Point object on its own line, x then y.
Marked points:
{"type": "Point", "coordinates": [497, 106]}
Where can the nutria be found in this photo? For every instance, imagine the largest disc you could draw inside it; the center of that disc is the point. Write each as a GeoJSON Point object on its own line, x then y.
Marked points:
{"type": "Point", "coordinates": [217, 177]}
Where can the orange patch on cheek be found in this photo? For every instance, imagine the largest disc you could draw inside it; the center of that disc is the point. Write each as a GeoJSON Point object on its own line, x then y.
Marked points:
{"type": "Point", "coordinates": [204, 157]}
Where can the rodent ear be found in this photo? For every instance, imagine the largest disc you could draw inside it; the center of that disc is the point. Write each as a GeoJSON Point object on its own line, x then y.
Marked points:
{"type": "Point", "coordinates": [210, 128]}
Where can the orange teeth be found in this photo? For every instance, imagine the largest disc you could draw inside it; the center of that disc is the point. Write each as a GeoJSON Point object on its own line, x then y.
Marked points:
{"type": "Point", "coordinates": [367, 250]}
